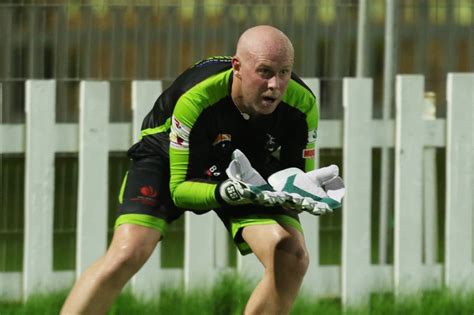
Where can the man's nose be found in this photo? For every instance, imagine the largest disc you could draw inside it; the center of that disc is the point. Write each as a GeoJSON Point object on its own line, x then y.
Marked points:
{"type": "Point", "coordinates": [274, 82]}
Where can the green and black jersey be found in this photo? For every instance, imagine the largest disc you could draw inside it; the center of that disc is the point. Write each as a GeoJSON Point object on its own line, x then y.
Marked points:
{"type": "Point", "coordinates": [196, 125]}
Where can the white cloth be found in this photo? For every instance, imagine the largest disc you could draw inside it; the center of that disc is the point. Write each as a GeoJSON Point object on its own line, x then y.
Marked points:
{"type": "Point", "coordinates": [317, 192]}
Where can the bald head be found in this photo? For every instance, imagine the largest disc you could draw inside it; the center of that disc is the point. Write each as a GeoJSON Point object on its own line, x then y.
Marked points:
{"type": "Point", "coordinates": [262, 68]}
{"type": "Point", "coordinates": [264, 40]}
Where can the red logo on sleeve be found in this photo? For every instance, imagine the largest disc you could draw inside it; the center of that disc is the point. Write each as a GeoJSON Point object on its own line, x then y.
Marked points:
{"type": "Point", "coordinates": [309, 154]}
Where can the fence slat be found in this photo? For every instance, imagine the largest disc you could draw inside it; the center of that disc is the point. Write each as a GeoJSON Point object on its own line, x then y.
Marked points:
{"type": "Point", "coordinates": [147, 282]}
{"type": "Point", "coordinates": [93, 173]}
{"type": "Point", "coordinates": [12, 138]}
{"type": "Point", "coordinates": [459, 272]}
{"type": "Point", "coordinates": [408, 183]}
{"type": "Point", "coordinates": [221, 244]}
{"type": "Point", "coordinates": [198, 249]}
{"type": "Point", "coordinates": [310, 223]}
{"type": "Point", "coordinates": [39, 185]}
{"type": "Point", "coordinates": [357, 159]}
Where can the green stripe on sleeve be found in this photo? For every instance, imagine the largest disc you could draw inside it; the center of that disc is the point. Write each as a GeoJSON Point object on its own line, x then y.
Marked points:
{"type": "Point", "coordinates": [178, 167]}
{"type": "Point", "coordinates": [202, 95]}
{"type": "Point", "coordinates": [196, 196]}
{"type": "Point", "coordinates": [309, 163]}
{"type": "Point", "coordinates": [298, 96]}
{"type": "Point", "coordinates": [151, 131]}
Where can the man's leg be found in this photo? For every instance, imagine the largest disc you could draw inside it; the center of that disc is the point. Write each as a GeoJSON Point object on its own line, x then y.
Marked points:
{"type": "Point", "coordinates": [282, 251]}
{"type": "Point", "coordinates": [101, 283]}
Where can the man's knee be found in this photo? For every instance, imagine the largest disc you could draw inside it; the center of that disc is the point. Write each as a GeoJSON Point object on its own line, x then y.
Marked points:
{"type": "Point", "coordinates": [129, 251]}
{"type": "Point", "coordinates": [126, 259]}
{"type": "Point", "coordinates": [291, 255]}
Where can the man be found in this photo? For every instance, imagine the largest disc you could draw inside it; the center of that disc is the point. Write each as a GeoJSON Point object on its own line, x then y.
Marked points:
{"type": "Point", "coordinates": [251, 102]}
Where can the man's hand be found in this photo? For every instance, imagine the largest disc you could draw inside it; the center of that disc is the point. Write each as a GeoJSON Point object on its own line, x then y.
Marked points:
{"type": "Point", "coordinates": [245, 185]}
{"type": "Point", "coordinates": [236, 192]}
{"type": "Point", "coordinates": [317, 192]}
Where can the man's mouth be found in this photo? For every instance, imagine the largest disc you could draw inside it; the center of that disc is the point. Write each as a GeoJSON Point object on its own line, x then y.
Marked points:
{"type": "Point", "coordinates": [269, 99]}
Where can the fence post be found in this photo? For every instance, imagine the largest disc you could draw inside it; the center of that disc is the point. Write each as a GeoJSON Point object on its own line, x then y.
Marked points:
{"type": "Point", "coordinates": [357, 159]}
{"type": "Point", "coordinates": [198, 249]}
{"type": "Point", "coordinates": [459, 272]}
{"type": "Point", "coordinates": [310, 223]}
{"type": "Point", "coordinates": [430, 196]}
{"type": "Point", "coordinates": [146, 283]}
{"type": "Point", "coordinates": [39, 186]}
{"type": "Point", "coordinates": [408, 184]}
{"type": "Point", "coordinates": [93, 173]}
{"type": "Point", "coordinates": [221, 244]}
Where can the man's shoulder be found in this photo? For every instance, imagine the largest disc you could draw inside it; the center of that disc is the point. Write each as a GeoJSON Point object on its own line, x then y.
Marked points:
{"type": "Point", "coordinates": [201, 71]}
{"type": "Point", "coordinates": [214, 61]}
{"type": "Point", "coordinates": [298, 83]}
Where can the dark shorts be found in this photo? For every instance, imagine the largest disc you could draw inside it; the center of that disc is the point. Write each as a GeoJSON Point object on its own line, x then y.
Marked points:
{"type": "Point", "coordinates": [146, 201]}
{"type": "Point", "coordinates": [145, 197]}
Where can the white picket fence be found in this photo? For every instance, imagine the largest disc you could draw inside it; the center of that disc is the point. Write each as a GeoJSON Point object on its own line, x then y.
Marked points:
{"type": "Point", "coordinates": [205, 237]}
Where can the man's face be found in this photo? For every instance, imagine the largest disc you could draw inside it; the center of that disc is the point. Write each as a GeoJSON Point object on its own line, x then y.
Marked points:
{"type": "Point", "coordinates": [264, 79]}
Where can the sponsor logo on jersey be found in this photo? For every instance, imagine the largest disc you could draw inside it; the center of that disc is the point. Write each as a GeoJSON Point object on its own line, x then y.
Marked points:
{"type": "Point", "coordinates": [213, 171]}
{"type": "Point", "coordinates": [148, 191]}
{"type": "Point", "coordinates": [222, 139]}
{"type": "Point", "coordinates": [271, 145]}
{"type": "Point", "coordinates": [147, 196]}
{"type": "Point", "coordinates": [309, 153]}
{"type": "Point", "coordinates": [312, 135]}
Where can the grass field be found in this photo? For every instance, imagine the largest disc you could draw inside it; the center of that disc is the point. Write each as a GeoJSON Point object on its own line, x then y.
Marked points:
{"type": "Point", "coordinates": [230, 293]}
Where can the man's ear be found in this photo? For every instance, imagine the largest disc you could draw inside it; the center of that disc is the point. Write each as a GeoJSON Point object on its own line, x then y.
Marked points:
{"type": "Point", "coordinates": [236, 66]}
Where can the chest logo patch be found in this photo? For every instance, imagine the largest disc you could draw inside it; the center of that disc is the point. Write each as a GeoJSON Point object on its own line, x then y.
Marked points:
{"type": "Point", "coordinates": [271, 145]}
{"type": "Point", "coordinates": [222, 139]}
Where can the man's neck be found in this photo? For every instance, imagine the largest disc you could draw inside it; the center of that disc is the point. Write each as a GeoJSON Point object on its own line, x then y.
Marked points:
{"type": "Point", "coordinates": [237, 98]}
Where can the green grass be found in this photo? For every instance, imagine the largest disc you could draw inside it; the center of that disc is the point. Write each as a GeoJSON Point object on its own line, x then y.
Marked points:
{"type": "Point", "coordinates": [229, 295]}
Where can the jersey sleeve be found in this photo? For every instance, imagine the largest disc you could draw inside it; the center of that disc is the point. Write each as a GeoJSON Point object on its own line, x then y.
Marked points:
{"type": "Point", "coordinates": [189, 193]}
{"type": "Point", "coordinates": [186, 192]}
{"type": "Point", "coordinates": [300, 147]}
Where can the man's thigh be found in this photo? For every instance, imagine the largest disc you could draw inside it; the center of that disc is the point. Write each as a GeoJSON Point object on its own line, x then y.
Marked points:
{"type": "Point", "coordinates": [133, 236]}
{"type": "Point", "coordinates": [238, 219]}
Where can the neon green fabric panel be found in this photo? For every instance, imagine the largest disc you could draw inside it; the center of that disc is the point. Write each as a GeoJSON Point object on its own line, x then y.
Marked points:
{"type": "Point", "coordinates": [299, 97]}
{"type": "Point", "coordinates": [143, 220]}
{"type": "Point", "coordinates": [151, 131]}
{"type": "Point", "coordinates": [195, 196]}
{"type": "Point", "coordinates": [122, 188]}
{"type": "Point", "coordinates": [202, 95]}
{"type": "Point", "coordinates": [309, 163]}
